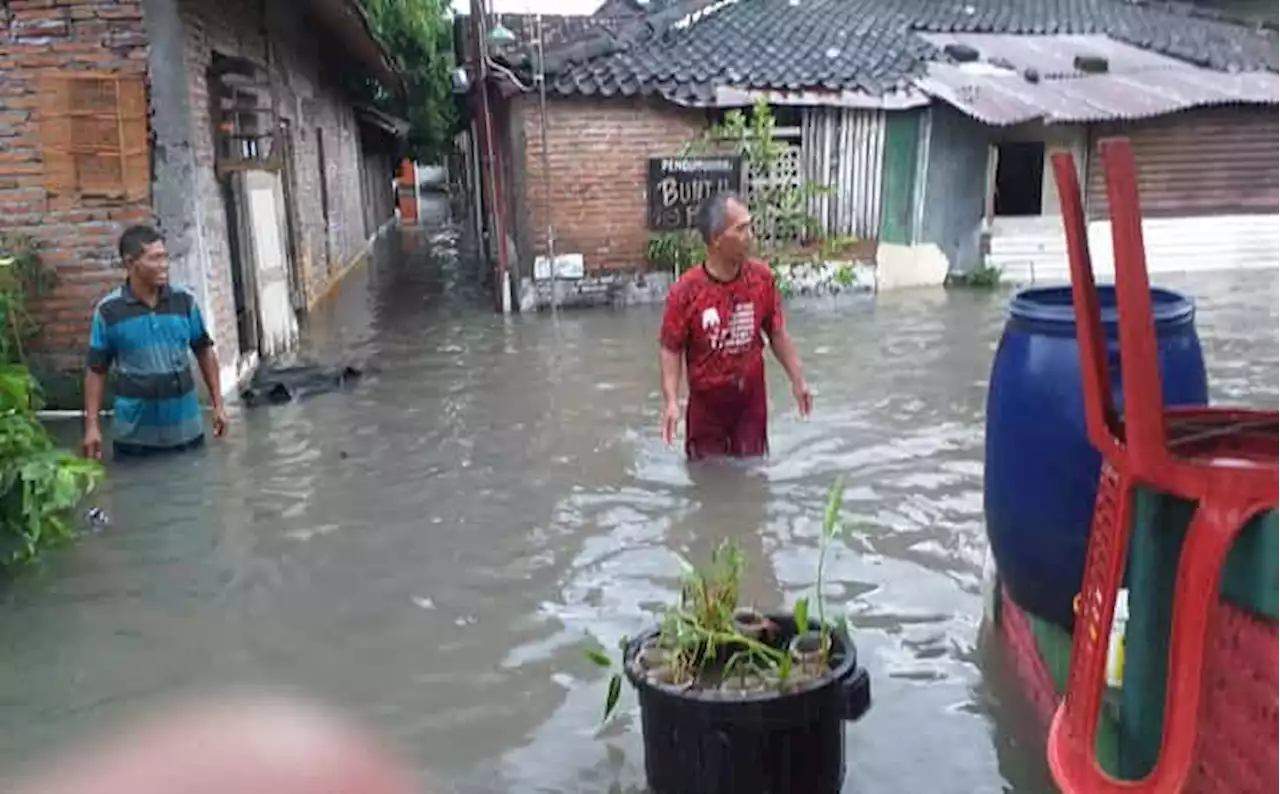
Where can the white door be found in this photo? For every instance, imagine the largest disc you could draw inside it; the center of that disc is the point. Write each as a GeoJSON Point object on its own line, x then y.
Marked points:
{"type": "Point", "coordinates": [278, 323]}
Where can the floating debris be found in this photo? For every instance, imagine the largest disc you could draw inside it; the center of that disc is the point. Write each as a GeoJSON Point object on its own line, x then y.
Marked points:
{"type": "Point", "coordinates": [97, 519]}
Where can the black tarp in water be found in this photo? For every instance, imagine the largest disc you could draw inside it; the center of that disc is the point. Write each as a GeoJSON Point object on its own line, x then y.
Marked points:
{"type": "Point", "coordinates": [273, 384]}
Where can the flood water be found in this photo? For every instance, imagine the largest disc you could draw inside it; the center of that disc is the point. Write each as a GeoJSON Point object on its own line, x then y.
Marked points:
{"type": "Point", "coordinates": [434, 548]}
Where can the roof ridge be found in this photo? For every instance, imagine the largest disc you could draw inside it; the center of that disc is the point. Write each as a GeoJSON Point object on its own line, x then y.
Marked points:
{"type": "Point", "coordinates": [600, 41]}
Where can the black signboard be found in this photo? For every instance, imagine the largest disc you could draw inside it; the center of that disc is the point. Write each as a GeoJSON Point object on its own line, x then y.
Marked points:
{"type": "Point", "coordinates": [678, 186]}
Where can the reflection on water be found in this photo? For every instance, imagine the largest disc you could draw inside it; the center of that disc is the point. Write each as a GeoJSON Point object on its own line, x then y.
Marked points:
{"type": "Point", "coordinates": [435, 547]}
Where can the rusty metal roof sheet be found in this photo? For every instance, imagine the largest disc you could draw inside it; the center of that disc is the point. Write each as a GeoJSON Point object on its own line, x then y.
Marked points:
{"type": "Point", "coordinates": [1053, 55]}
{"type": "Point", "coordinates": [1138, 83]}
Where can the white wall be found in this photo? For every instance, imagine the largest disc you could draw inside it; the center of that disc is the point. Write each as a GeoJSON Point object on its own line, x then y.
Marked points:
{"type": "Point", "coordinates": [1031, 250]}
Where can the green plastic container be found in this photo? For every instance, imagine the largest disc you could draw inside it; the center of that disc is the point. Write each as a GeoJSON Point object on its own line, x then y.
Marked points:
{"type": "Point", "coordinates": [1054, 645]}
{"type": "Point", "coordinates": [1249, 581]}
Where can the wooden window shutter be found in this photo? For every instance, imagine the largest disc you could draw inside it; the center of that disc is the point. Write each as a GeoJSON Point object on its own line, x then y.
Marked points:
{"type": "Point", "coordinates": [94, 136]}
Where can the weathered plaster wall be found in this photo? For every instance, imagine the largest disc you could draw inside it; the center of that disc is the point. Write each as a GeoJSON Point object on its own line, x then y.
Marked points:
{"type": "Point", "coordinates": [309, 102]}
{"type": "Point", "coordinates": [173, 155]}
{"type": "Point", "coordinates": [955, 186]}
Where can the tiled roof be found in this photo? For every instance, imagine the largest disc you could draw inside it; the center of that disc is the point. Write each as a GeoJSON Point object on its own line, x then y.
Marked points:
{"type": "Point", "coordinates": [632, 8]}
{"type": "Point", "coordinates": [560, 32]}
{"type": "Point", "coordinates": [865, 45]}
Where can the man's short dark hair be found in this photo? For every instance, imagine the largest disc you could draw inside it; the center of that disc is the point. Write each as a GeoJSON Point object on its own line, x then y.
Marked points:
{"type": "Point", "coordinates": [713, 215]}
{"type": "Point", "coordinates": [136, 238]}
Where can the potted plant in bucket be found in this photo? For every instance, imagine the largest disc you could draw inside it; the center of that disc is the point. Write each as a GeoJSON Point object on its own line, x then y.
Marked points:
{"type": "Point", "coordinates": [735, 701]}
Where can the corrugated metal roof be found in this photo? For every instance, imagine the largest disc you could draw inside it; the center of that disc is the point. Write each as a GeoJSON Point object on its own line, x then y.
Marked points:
{"type": "Point", "coordinates": [1054, 55]}
{"type": "Point", "coordinates": [1138, 83]}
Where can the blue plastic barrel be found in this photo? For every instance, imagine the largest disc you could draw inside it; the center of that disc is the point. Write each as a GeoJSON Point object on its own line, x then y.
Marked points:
{"type": "Point", "coordinates": [1041, 471]}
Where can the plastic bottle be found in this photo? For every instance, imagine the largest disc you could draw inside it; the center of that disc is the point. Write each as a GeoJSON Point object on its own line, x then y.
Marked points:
{"type": "Point", "coordinates": [1115, 643]}
{"type": "Point", "coordinates": [1115, 647]}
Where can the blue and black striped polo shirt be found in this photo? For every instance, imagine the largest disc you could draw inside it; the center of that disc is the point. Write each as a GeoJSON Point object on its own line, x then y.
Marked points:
{"type": "Point", "coordinates": [156, 406]}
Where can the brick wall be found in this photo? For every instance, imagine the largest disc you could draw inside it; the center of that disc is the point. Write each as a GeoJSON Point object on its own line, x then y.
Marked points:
{"type": "Point", "coordinates": [598, 152]}
{"type": "Point", "coordinates": [309, 103]}
{"type": "Point", "coordinates": [79, 235]}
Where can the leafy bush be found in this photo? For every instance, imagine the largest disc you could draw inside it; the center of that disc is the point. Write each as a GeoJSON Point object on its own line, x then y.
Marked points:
{"type": "Point", "coordinates": [418, 35]}
{"type": "Point", "coordinates": [981, 276]}
{"type": "Point", "coordinates": [40, 485]}
{"type": "Point", "coordinates": [674, 252]}
{"type": "Point", "coordinates": [22, 278]}
{"type": "Point", "coordinates": [778, 209]}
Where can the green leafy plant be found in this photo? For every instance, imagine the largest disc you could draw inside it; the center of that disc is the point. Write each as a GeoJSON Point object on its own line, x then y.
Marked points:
{"type": "Point", "coordinates": [709, 640]}
{"type": "Point", "coordinates": [831, 527]}
{"type": "Point", "coordinates": [779, 209]}
{"type": "Point", "coordinates": [40, 485]}
{"type": "Point", "coordinates": [614, 692]}
{"type": "Point", "coordinates": [23, 278]}
{"type": "Point", "coordinates": [844, 275]}
{"type": "Point", "coordinates": [981, 276]}
{"type": "Point", "coordinates": [834, 247]}
{"type": "Point", "coordinates": [785, 269]}
{"type": "Point", "coordinates": [786, 288]}
{"type": "Point", "coordinates": [418, 35]}
{"type": "Point", "coordinates": [674, 252]}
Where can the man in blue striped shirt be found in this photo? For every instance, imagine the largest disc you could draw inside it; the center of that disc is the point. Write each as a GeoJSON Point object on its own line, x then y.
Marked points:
{"type": "Point", "coordinates": [145, 328]}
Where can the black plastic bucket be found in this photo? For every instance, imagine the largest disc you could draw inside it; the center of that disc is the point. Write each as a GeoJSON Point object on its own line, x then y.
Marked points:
{"type": "Point", "coordinates": [700, 742]}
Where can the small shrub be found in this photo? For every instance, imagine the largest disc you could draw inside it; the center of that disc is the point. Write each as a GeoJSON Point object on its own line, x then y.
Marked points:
{"type": "Point", "coordinates": [674, 252]}
{"type": "Point", "coordinates": [40, 485]}
{"type": "Point", "coordinates": [982, 276]}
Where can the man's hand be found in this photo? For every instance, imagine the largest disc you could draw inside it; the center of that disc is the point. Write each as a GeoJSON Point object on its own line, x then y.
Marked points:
{"type": "Point", "coordinates": [92, 446]}
{"type": "Point", "coordinates": [219, 421]}
{"type": "Point", "coordinates": [670, 420]}
{"type": "Point", "coordinates": [804, 397]}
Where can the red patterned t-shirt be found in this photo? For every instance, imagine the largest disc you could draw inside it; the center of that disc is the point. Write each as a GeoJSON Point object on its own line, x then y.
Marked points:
{"type": "Point", "coordinates": [720, 326]}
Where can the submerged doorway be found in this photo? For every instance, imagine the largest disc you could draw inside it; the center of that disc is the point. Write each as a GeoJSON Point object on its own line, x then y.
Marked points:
{"type": "Point", "coordinates": [244, 291]}
{"type": "Point", "coordinates": [1019, 183]}
{"type": "Point", "coordinates": [251, 169]}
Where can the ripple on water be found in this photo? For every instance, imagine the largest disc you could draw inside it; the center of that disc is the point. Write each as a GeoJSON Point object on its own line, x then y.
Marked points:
{"type": "Point", "coordinates": [436, 547]}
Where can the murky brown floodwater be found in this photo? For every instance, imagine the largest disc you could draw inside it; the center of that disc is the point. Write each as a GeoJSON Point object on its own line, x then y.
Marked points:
{"type": "Point", "coordinates": [434, 549]}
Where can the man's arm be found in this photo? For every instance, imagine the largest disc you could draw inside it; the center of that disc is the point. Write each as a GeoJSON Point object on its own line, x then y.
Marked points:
{"type": "Point", "coordinates": [673, 339]}
{"type": "Point", "coordinates": [785, 350]}
{"type": "Point", "coordinates": [94, 385]}
{"type": "Point", "coordinates": [775, 327]}
{"type": "Point", "coordinates": [102, 352]}
{"type": "Point", "coordinates": [206, 357]}
{"type": "Point", "coordinates": [671, 363]}
{"type": "Point", "coordinates": [207, 360]}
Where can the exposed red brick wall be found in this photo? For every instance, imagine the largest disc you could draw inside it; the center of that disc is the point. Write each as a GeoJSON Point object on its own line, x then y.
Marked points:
{"type": "Point", "coordinates": [79, 235]}
{"type": "Point", "coordinates": [598, 153]}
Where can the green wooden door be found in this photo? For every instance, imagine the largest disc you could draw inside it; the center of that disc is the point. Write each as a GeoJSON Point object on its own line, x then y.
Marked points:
{"type": "Point", "coordinates": [901, 143]}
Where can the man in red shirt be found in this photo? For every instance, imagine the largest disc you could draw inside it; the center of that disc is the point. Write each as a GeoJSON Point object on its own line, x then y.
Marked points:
{"type": "Point", "coordinates": [717, 317]}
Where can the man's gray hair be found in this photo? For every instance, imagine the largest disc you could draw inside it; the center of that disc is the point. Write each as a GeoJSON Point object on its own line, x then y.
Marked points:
{"type": "Point", "coordinates": [713, 215]}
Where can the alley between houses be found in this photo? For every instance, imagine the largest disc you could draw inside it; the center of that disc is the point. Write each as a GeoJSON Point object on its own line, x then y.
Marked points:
{"type": "Point", "coordinates": [434, 548]}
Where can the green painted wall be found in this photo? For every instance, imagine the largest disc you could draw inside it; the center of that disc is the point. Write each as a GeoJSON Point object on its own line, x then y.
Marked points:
{"type": "Point", "coordinates": [901, 143]}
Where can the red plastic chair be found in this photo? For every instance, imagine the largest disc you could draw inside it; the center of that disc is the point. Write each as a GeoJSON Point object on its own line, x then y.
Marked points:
{"type": "Point", "coordinates": [1223, 459]}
